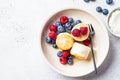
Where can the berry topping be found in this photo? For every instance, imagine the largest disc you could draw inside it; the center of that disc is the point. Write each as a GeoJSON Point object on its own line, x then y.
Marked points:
{"type": "Point", "coordinates": [73, 24]}
{"type": "Point", "coordinates": [76, 32]}
{"type": "Point", "coordinates": [70, 57]}
{"type": "Point", "coordinates": [53, 41]}
{"type": "Point", "coordinates": [70, 20]}
{"type": "Point", "coordinates": [78, 21]}
{"type": "Point", "coordinates": [52, 35]}
{"type": "Point", "coordinates": [98, 9]}
{"type": "Point", "coordinates": [54, 45]}
{"type": "Point", "coordinates": [68, 26]}
{"type": "Point", "coordinates": [68, 30]}
{"type": "Point", "coordinates": [65, 53]}
{"type": "Point", "coordinates": [86, 42]}
{"type": "Point", "coordinates": [63, 60]}
{"type": "Point", "coordinates": [48, 40]}
{"type": "Point", "coordinates": [63, 19]}
{"type": "Point", "coordinates": [105, 11]}
{"type": "Point", "coordinates": [57, 23]}
{"type": "Point", "coordinates": [83, 30]}
{"type": "Point", "coordinates": [70, 61]}
{"type": "Point", "coordinates": [60, 29]}
{"type": "Point", "coordinates": [53, 28]}
{"type": "Point", "coordinates": [59, 53]}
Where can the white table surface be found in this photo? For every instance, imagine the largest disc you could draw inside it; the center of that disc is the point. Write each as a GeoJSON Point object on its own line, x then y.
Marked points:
{"type": "Point", "coordinates": [20, 24]}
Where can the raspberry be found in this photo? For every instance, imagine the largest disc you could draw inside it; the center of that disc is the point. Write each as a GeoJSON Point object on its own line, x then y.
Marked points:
{"type": "Point", "coordinates": [86, 42]}
{"type": "Point", "coordinates": [63, 19]}
{"type": "Point", "coordinates": [52, 35]}
{"type": "Point", "coordinates": [76, 32]}
{"type": "Point", "coordinates": [65, 53]}
{"type": "Point", "coordinates": [63, 60]}
{"type": "Point", "coordinates": [83, 30]}
{"type": "Point", "coordinates": [53, 28]}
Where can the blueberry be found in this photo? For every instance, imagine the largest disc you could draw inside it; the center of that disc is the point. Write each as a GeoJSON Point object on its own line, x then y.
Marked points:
{"type": "Point", "coordinates": [105, 11]}
{"type": "Point", "coordinates": [70, 57]}
{"type": "Point", "coordinates": [70, 20]}
{"type": "Point", "coordinates": [70, 61]}
{"type": "Point", "coordinates": [53, 41]}
{"type": "Point", "coordinates": [60, 29]}
{"type": "Point", "coordinates": [57, 32]}
{"type": "Point", "coordinates": [68, 26]}
{"type": "Point", "coordinates": [73, 24]}
{"type": "Point", "coordinates": [59, 53]}
{"type": "Point", "coordinates": [57, 23]}
{"type": "Point", "coordinates": [109, 1]}
{"type": "Point", "coordinates": [78, 21]}
{"type": "Point", "coordinates": [54, 45]}
{"type": "Point", "coordinates": [93, 0]}
{"type": "Point", "coordinates": [86, 0]}
{"type": "Point", "coordinates": [48, 40]}
{"type": "Point", "coordinates": [63, 25]}
{"type": "Point", "coordinates": [98, 9]}
{"type": "Point", "coordinates": [68, 30]}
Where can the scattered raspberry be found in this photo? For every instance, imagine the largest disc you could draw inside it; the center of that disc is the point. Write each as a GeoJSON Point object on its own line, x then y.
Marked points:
{"type": "Point", "coordinates": [65, 53]}
{"type": "Point", "coordinates": [63, 19]}
{"type": "Point", "coordinates": [63, 60]}
{"type": "Point", "coordinates": [83, 30]}
{"type": "Point", "coordinates": [53, 28]}
{"type": "Point", "coordinates": [52, 35]}
{"type": "Point", "coordinates": [86, 42]}
{"type": "Point", "coordinates": [76, 32]}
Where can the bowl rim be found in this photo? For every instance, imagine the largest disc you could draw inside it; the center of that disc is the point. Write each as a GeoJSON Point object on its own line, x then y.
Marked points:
{"type": "Point", "coordinates": [108, 27]}
{"type": "Point", "coordinates": [47, 19]}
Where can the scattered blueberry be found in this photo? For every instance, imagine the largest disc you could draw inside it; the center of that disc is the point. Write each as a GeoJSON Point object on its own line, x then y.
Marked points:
{"type": "Point", "coordinates": [60, 29]}
{"type": "Point", "coordinates": [54, 45]}
{"type": "Point", "coordinates": [53, 42]}
{"type": "Point", "coordinates": [105, 11]}
{"type": "Point", "coordinates": [109, 1]}
{"type": "Point", "coordinates": [59, 53]}
{"type": "Point", "coordinates": [70, 20]}
{"type": "Point", "coordinates": [98, 9]}
{"type": "Point", "coordinates": [48, 40]}
{"type": "Point", "coordinates": [70, 61]}
{"type": "Point", "coordinates": [58, 23]}
{"type": "Point", "coordinates": [78, 21]}
{"type": "Point", "coordinates": [92, 0]}
{"type": "Point", "coordinates": [86, 0]}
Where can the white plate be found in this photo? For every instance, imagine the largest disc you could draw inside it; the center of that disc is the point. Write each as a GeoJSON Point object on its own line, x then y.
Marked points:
{"type": "Point", "coordinates": [80, 67]}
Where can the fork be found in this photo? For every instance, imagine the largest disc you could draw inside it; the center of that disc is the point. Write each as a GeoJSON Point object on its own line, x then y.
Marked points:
{"type": "Point", "coordinates": [91, 34]}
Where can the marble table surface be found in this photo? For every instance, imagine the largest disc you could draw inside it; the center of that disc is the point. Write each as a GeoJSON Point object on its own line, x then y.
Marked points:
{"type": "Point", "coordinates": [20, 24]}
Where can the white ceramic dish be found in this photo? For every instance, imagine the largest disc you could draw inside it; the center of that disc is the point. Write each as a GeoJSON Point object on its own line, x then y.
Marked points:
{"type": "Point", "coordinates": [108, 19]}
{"type": "Point", "coordinates": [80, 67]}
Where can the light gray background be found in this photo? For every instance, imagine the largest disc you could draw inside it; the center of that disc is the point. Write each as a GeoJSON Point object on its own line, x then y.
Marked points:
{"type": "Point", "coordinates": [20, 24]}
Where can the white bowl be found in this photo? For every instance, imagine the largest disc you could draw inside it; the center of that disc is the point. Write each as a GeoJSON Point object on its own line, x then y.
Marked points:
{"type": "Point", "coordinates": [80, 67]}
{"type": "Point", "coordinates": [108, 26]}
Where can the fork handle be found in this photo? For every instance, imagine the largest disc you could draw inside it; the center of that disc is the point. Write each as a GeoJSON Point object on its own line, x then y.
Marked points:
{"type": "Point", "coordinates": [91, 44]}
